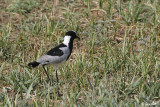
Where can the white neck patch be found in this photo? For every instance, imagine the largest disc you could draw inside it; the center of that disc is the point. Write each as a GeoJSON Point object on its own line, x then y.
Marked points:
{"type": "Point", "coordinates": [67, 40]}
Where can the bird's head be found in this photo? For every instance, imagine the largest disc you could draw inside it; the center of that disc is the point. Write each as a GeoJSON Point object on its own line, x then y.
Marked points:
{"type": "Point", "coordinates": [72, 34]}
{"type": "Point", "coordinates": [69, 37]}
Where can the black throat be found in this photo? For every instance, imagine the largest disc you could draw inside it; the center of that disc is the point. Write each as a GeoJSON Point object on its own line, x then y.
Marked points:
{"type": "Point", "coordinates": [70, 46]}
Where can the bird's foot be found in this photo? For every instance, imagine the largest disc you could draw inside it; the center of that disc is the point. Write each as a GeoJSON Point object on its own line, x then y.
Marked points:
{"type": "Point", "coordinates": [59, 94]}
{"type": "Point", "coordinates": [49, 81]}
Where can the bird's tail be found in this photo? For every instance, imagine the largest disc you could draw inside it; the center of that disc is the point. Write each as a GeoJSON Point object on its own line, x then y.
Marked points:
{"type": "Point", "coordinates": [33, 64]}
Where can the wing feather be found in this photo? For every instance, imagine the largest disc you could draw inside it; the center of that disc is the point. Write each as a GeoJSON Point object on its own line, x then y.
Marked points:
{"type": "Point", "coordinates": [56, 51]}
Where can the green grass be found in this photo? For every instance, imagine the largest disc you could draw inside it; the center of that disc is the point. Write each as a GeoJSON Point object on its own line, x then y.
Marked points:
{"type": "Point", "coordinates": [115, 64]}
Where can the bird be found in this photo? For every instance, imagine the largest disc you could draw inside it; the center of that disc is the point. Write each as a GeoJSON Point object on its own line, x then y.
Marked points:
{"type": "Point", "coordinates": [58, 54]}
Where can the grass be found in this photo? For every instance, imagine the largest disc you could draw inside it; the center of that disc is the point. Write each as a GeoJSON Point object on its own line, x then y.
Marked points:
{"type": "Point", "coordinates": [116, 62]}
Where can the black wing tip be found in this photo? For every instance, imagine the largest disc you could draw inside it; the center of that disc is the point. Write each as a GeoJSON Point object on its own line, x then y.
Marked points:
{"type": "Point", "coordinates": [33, 64]}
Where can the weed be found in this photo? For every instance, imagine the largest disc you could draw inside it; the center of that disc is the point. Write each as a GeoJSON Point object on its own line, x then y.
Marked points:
{"type": "Point", "coordinates": [116, 62]}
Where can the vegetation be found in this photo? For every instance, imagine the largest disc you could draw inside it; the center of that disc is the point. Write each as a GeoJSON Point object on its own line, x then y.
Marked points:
{"type": "Point", "coordinates": [116, 62]}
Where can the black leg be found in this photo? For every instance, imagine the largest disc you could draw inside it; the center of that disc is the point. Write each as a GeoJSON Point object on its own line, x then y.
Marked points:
{"type": "Point", "coordinates": [46, 72]}
{"type": "Point", "coordinates": [57, 81]}
{"type": "Point", "coordinates": [57, 77]}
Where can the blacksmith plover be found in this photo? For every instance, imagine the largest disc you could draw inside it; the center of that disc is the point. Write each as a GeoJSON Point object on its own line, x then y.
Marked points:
{"type": "Point", "coordinates": [58, 54]}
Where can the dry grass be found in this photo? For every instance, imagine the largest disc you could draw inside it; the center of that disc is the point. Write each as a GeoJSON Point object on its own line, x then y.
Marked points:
{"type": "Point", "coordinates": [116, 62]}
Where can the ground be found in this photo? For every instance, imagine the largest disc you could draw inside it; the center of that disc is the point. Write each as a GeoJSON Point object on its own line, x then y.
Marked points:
{"type": "Point", "coordinates": [116, 62]}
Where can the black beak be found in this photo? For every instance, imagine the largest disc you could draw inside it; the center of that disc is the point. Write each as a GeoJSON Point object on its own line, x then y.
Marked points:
{"type": "Point", "coordinates": [77, 37]}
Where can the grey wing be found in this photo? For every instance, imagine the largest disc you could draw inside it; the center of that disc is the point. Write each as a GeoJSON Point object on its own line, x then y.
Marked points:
{"type": "Point", "coordinates": [48, 59]}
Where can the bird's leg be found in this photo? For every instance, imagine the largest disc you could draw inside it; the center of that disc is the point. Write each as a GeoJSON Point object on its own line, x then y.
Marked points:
{"type": "Point", "coordinates": [57, 80]}
{"type": "Point", "coordinates": [57, 75]}
{"type": "Point", "coordinates": [46, 72]}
